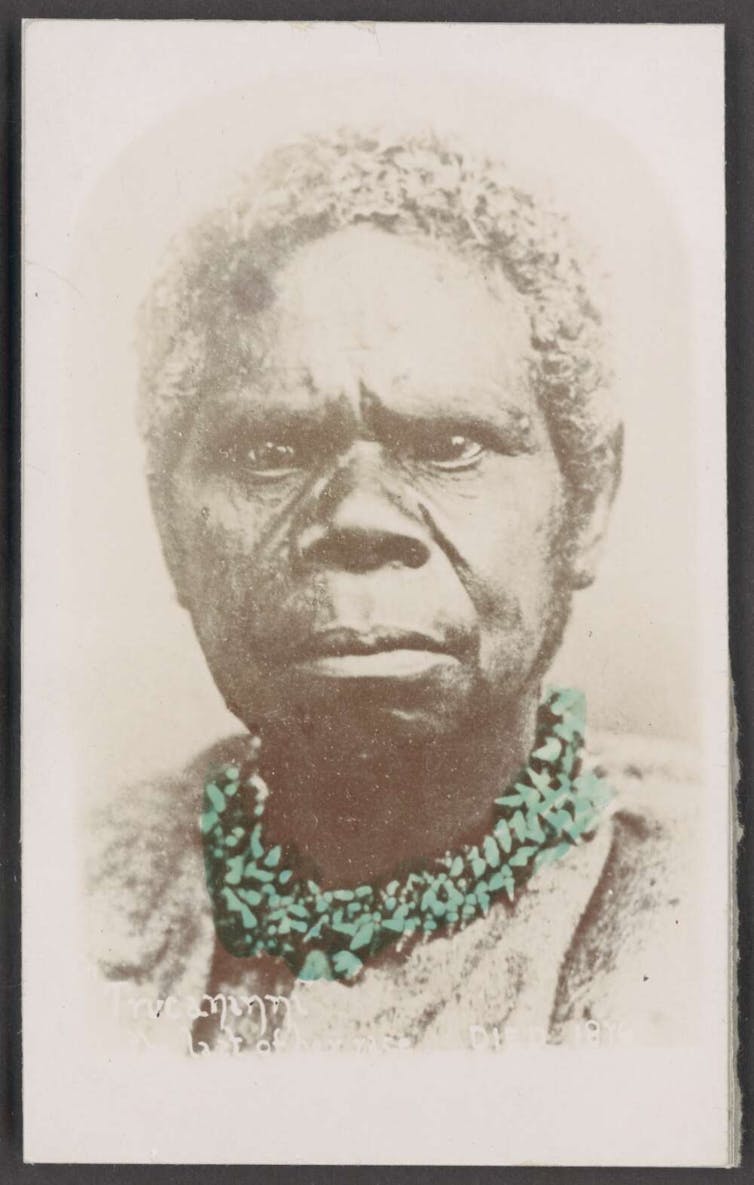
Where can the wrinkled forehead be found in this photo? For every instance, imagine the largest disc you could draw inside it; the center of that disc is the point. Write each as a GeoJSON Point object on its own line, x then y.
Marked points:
{"type": "Point", "coordinates": [408, 320]}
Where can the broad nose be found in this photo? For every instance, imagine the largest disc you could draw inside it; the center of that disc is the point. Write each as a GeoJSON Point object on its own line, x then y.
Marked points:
{"type": "Point", "coordinates": [356, 524]}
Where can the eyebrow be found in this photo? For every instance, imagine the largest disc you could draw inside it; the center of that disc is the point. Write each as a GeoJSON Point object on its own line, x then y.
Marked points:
{"type": "Point", "coordinates": [512, 426]}
{"type": "Point", "coordinates": [250, 412]}
{"type": "Point", "coordinates": [302, 410]}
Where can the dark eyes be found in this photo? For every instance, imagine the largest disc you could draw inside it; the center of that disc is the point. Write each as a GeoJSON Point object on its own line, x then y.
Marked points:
{"type": "Point", "coordinates": [446, 450]}
{"type": "Point", "coordinates": [437, 448]}
{"type": "Point", "coordinates": [262, 459]}
{"type": "Point", "coordinates": [273, 456]}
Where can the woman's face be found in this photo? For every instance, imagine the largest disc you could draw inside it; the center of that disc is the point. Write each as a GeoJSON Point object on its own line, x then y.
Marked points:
{"type": "Point", "coordinates": [368, 520]}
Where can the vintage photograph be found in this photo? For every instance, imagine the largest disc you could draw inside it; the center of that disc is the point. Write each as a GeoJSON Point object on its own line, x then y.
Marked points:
{"type": "Point", "coordinates": [382, 450]}
{"type": "Point", "coordinates": [389, 631]}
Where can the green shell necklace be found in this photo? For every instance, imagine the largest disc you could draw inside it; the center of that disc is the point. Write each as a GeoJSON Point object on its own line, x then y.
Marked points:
{"type": "Point", "coordinates": [260, 905]}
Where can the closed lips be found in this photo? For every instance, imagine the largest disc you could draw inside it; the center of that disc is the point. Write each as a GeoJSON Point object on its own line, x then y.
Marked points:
{"type": "Point", "coordinates": [337, 643]}
{"type": "Point", "coordinates": [349, 654]}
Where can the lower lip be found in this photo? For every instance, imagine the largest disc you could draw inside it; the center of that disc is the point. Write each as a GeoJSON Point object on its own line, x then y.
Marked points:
{"type": "Point", "coordinates": [384, 664]}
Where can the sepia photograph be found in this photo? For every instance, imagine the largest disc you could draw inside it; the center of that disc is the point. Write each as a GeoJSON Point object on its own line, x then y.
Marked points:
{"type": "Point", "coordinates": [375, 626]}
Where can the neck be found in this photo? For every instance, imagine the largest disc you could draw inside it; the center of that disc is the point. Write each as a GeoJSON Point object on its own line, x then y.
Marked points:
{"type": "Point", "coordinates": [358, 813]}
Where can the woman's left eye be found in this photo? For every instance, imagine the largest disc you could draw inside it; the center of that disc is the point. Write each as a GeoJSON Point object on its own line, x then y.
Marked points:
{"type": "Point", "coordinates": [449, 450]}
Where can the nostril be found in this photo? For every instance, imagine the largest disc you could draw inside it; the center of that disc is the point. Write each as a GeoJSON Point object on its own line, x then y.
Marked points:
{"type": "Point", "coordinates": [362, 550]}
{"type": "Point", "coordinates": [355, 524]}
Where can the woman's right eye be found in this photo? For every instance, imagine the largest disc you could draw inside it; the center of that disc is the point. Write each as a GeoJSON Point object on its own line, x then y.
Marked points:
{"type": "Point", "coordinates": [272, 456]}
{"type": "Point", "coordinates": [266, 459]}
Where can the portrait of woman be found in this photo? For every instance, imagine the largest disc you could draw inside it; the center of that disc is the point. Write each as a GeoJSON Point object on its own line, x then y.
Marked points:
{"type": "Point", "coordinates": [382, 452]}
{"type": "Point", "coordinates": [376, 721]}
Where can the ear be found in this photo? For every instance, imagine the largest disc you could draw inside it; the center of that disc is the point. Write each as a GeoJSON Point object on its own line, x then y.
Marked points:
{"type": "Point", "coordinates": [170, 540]}
{"type": "Point", "coordinates": [592, 515]}
{"type": "Point", "coordinates": [176, 564]}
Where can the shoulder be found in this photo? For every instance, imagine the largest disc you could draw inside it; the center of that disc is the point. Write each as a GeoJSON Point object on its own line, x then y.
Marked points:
{"type": "Point", "coordinates": [656, 809]}
{"type": "Point", "coordinates": [145, 878]}
{"type": "Point", "coordinates": [635, 942]}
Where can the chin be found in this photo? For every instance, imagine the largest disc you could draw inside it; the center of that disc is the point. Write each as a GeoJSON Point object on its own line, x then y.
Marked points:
{"type": "Point", "coordinates": [359, 714]}
{"type": "Point", "coordinates": [393, 727]}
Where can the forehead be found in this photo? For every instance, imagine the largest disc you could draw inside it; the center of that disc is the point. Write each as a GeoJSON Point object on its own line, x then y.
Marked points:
{"type": "Point", "coordinates": [417, 325]}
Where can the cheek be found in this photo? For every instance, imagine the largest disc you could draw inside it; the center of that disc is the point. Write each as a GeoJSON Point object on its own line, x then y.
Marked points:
{"type": "Point", "coordinates": [234, 556]}
{"type": "Point", "coordinates": [523, 543]}
{"type": "Point", "coordinates": [507, 533]}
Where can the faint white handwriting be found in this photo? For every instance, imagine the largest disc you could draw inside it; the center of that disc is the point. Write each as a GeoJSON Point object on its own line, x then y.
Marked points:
{"type": "Point", "coordinates": [269, 1023]}
{"type": "Point", "coordinates": [492, 1038]}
